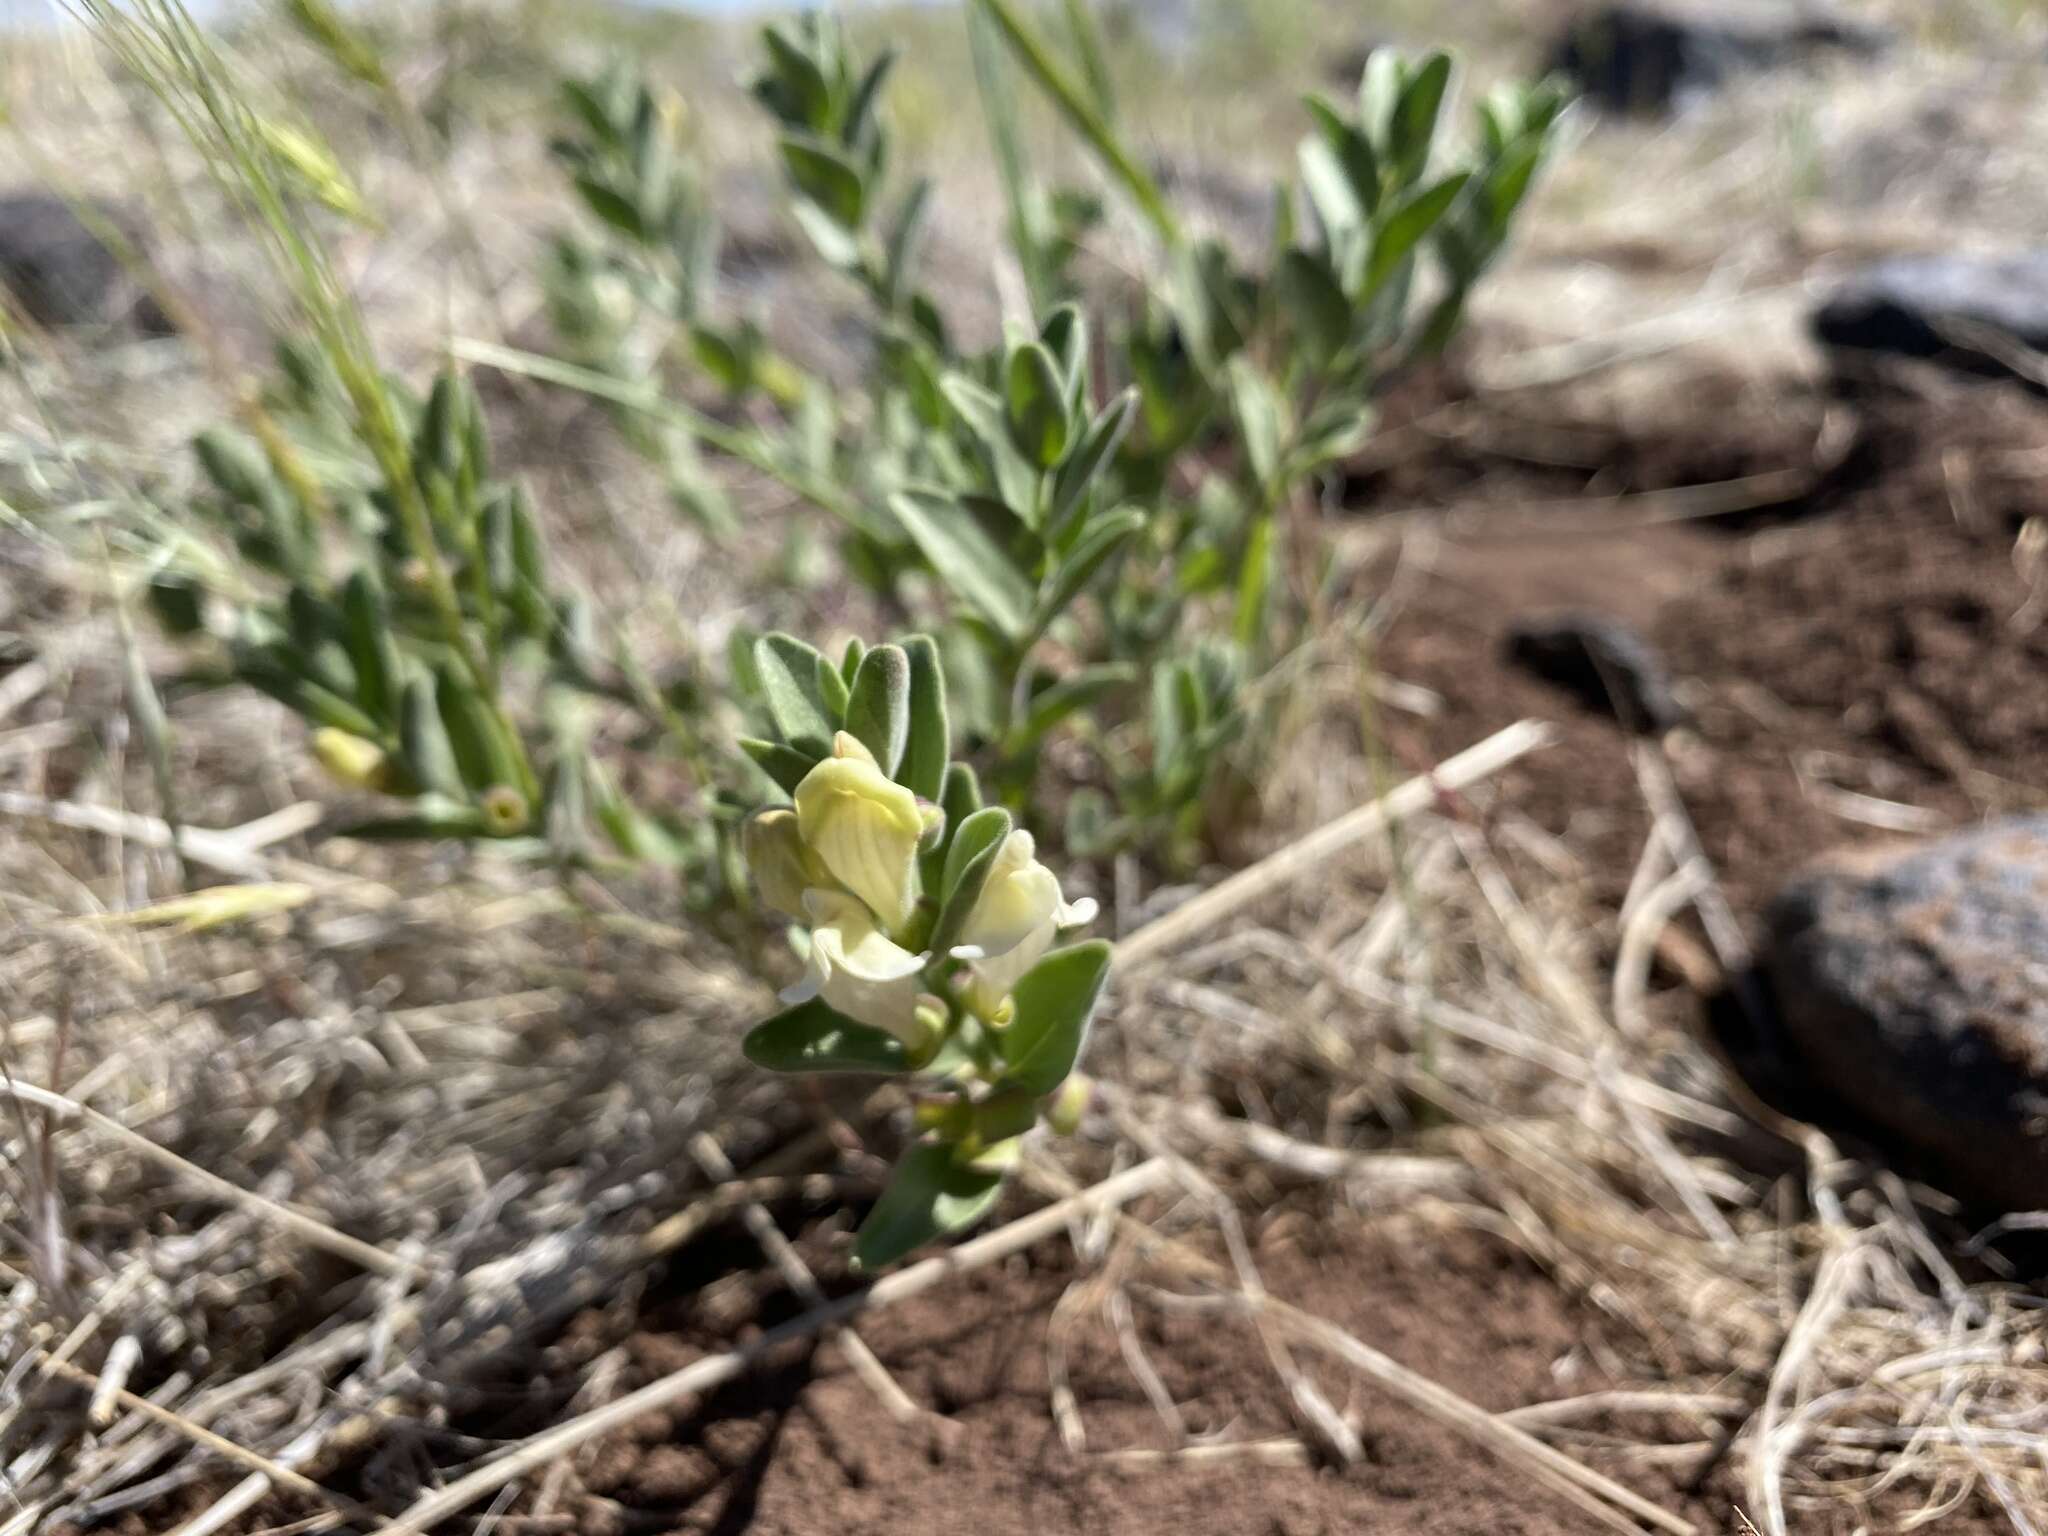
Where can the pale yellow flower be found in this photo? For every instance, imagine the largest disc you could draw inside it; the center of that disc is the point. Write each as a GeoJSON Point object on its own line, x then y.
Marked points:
{"type": "Point", "coordinates": [782, 866]}
{"type": "Point", "coordinates": [860, 970]}
{"type": "Point", "coordinates": [1015, 919]}
{"type": "Point", "coordinates": [864, 828]}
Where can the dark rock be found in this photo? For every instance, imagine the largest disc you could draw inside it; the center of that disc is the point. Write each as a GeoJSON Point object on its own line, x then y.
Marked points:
{"type": "Point", "coordinates": [57, 269]}
{"type": "Point", "coordinates": [1652, 57]}
{"type": "Point", "coordinates": [1912, 986]}
{"type": "Point", "coordinates": [1943, 306]}
{"type": "Point", "coordinates": [1606, 664]}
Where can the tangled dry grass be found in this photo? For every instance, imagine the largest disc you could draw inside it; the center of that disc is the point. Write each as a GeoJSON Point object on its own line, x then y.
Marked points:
{"type": "Point", "coordinates": [279, 1193]}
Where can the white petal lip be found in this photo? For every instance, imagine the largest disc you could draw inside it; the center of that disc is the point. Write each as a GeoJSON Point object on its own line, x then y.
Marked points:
{"type": "Point", "coordinates": [858, 969]}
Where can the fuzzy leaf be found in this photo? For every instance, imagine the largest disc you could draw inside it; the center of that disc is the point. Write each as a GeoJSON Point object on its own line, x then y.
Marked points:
{"type": "Point", "coordinates": [1036, 397]}
{"type": "Point", "coordinates": [827, 178]}
{"type": "Point", "coordinates": [931, 1194]}
{"type": "Point", "coordinates": [814, 1037]}
{"type": "Point", "coordinates": [1054, 1001]}
{"type": "Point", "coordinates": [966, 559]}
{"type": "Point", "coordinates": [788, 671]}
{"type": "Point", "coordinates": [1413, 218]}
{"type": "Point", "coordinates": [1085, 464]}
{"type": "Point", "coordinates": [923, 768]}
{"type": "Point", "coordinates": [878, 708]}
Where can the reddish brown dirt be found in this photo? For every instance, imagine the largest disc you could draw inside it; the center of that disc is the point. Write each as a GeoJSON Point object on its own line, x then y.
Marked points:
{"type": "Point", "coordinates": [804, 1448]}
{"type": "Point", "coordinates": [1862, 640]}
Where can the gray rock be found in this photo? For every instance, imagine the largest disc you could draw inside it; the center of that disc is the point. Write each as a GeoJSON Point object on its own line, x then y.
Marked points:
{"type": "Point", "coordinates": [56, 268]}
{"type": "Point", "coordinates": [1660, 56]}
{"type": "Point", "coordinates": [1938, 306]}
{"type": "Point", "coordinates": [1912, 983]}
{"type": "Point", "coordinates": [1602, 661]}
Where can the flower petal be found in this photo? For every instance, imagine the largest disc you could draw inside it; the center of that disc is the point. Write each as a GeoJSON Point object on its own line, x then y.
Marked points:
{"type": "Point", "coordinates": [860, 970]}
{"type": "Point", "coordinates": [864, 829]}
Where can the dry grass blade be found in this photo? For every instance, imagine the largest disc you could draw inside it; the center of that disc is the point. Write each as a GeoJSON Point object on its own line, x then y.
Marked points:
{"type": "Point", "coordinates": [320, 1235]}
{"type": "Point", "coordinates": [1406, 800]}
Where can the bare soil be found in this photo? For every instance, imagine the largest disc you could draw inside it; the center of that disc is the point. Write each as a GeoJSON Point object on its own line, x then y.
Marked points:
{"type": "Point", "coordinates": [1872, 635]}
{"type": "Point", "coordinates": [804, 1447]}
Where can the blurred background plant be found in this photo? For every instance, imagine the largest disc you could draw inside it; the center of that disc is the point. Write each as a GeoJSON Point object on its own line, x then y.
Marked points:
{"type": "Point", "coordinates": [1130, 468]}
{"type": "Point", "coordinates": [1108, 522]}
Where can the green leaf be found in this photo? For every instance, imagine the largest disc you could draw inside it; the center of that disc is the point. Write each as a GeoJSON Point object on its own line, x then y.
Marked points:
{"type": "Point", "coordinates": [969, 857]}
{"type": "Point", "coordinates": [849, 662]}
{"type": "Point", "coordinates": [1413, 126]}
{"type": "Point", "coordinates": [1412, 218]}
{"type": "Point", "coordinates": [1054, 1002]}
{"type": "Point", "coordinates": [966, 559]}
{"type": "Point", "coordinates": [833, 691]}
{"type": "Point", "coordinates": [1379, 88]}
{"type": "Point", "coordinates": [423, 739]}
{"type": "Point", "coordinates": [932, 1193]}
{"type": "Point", "coordinates": [1351, 154]}
{"type": "Point", "coordinates": [878, 708]}
{"type": "Point", "coordinates": [1082, 467]}
{"type": "Point", "coordinates": [1258, 411]}
{"type": "Point", "coordinates": [785, 765]}
{"type": "Point", "coordinates": [1104, 537]}
{"type": "Point", "coordinates": [1036, 397]}
{"type": "Point", "coordinates": [906, 239]}
{"type": "Point", "coordinates": [789, 671]}
{"type": "Point", "coordinates": [803, 88]}
{"type": "Point", "coordinates": [611, 206]}
{"type": "Point", "coordinates": [1253, 583]}
{"type": "Point", "coordinates": [814, 1037]}
{"type": "Point", "coordinates": [860, 114]}
{"type": "Point", "coordinates": [824, 175]}
{"type": "Point", "coordinates": [923, 769]}
{"type": "Point", "coordinates": [959, 798]}
{"type": "Point", "coordinates": [1315, 301]}
{"type": "Point", "coordinates": [835, 243]}
{"type": "Point", "coordinates": [1065, 697]}
{"type": "Point", "coordinates": [1336, 207]}
{"type": "Point", "coordinates": [469, 730]}
{"type": "Point", "coordinates": [984, 413]}
{"type": "Point", "coordinates": [1065, 336]}
{"type": "Point", "coordinates": [371, 645]}
{"type": "Point", "coordinates": [1338, 429]}
{"type": "Point", "coordinates": [234, 464]}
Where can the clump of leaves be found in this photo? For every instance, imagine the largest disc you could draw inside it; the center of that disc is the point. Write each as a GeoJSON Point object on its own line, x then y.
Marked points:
{"type": "Point", "coordinates": [1069, 513]}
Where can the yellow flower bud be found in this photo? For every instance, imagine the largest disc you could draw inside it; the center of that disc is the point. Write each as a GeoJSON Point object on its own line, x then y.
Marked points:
{"type": "Point", "coordinates": [505, 810]}
{"type": "Point", "coordinates": [864, 828]}
{"type": "Point", "coordinates": [782, 866]}
{"type": "Point", "coordinates": [352, 760]}
{"type": "Point", "coordinates": [1014, 921]}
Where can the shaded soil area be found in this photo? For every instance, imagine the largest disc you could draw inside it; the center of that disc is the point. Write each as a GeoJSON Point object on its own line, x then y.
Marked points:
{"type": "Point", "coordinates": [1865, 657]}
{"type": "Point", "coordinates": [804, 1446]}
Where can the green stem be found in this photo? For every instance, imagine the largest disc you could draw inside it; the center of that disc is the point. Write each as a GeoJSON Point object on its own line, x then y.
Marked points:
{"type": "Point", "coordinates": [1074, 103]}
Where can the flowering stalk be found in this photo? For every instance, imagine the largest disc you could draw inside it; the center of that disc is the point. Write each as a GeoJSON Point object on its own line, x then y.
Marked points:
{"type": "Point", "coordinates": [931, 928]}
